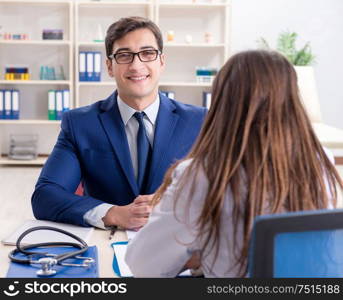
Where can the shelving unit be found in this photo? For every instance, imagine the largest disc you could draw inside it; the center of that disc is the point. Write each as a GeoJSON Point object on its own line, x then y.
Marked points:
{"type": "Point", "coordinates": [194, 19]}
{"type": "Point", "coordinates": [82, 23]}
{"type": "Point", "coordinates": [31, 17]}
{"type": "Point", "coordinates": [92, 18]}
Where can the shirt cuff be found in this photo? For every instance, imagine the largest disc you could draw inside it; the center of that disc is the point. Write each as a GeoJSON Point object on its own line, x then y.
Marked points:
{"type": "Point", "coordinates": [94, 216]}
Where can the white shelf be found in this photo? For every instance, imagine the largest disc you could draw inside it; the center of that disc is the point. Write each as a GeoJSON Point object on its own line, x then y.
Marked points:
{"type": "Point", "coordinates": [165, 45]}
{"type": "Point", "coordinates": [36, 162]}
{"type": "Point", "coordinates": [91, 44]}
{"type": "Point", "coordinates": [30, 122]}
{"type": "Point", "coordinates": [186, 84]}
{"type": "Point", "coordinates": [114, 3]}
{"type": "Point", "coordinates": [192, 5]}
{"type": "Point", "coordinates": [37, 82]}
{"type": "Point", "coordinates": [40, 2]}
{"type": "Point", "coordinates": [182, 45]}
{"type": "Point", "coordinates": [36, 42]}
{"type": "Point", "coordinates": [97, 83]}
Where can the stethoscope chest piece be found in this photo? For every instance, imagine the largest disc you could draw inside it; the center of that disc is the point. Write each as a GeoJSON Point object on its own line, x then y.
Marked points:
{"type": "Point", "coordinates": [47, 264]}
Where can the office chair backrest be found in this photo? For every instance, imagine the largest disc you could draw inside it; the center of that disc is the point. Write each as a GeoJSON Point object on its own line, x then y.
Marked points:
{"type": "Point", "coordinates": [302, 244]}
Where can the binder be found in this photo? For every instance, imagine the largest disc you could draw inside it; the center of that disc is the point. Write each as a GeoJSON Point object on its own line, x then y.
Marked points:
{"type": "Point", "coordinates": [89, 66]}
{"type": "Point", "coordinates": [59, 104]}
{"type": "Point", "coordinates": [15, 105]}
{"type": "Point", "coordinates": [82, 66]}
{"type": "Point", "coordinates": [29, 271]}
{"type": "Point", "coordinates": [51, 105]}
{"type": "Point", "coordinates": [206, 102]}
{"type": "Point", "coordinates": [97, 66]}
{"type": "Point", "coordinates": [1, 104]}
{"type": "Point", "coordinates": [66, 102]}
{"type": "Point", "coordinates": [170, 95]}
{"type": "Point", "coordinates": [8, 104]}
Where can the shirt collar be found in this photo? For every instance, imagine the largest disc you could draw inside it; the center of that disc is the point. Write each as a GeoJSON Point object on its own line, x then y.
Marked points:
{"type": "Point", "coordinates": [126, 111]}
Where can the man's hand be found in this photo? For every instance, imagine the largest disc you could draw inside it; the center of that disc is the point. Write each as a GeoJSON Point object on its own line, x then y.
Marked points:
{"type": "Point", "coordinates": [132, 216]}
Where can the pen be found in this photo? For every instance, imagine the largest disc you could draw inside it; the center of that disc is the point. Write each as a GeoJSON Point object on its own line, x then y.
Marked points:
{"type": "Point", "coordinates": [112, 232]}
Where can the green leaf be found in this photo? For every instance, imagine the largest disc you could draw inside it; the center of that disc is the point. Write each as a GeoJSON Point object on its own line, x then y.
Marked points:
{"type": "Point", "coordinates": [304, 56]}
{"type": "Point", "coordinates": [263, 44]}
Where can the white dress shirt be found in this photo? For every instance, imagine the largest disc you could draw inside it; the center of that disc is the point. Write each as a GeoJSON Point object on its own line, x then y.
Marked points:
{"type": "Point", "coordinates": [94, 216]}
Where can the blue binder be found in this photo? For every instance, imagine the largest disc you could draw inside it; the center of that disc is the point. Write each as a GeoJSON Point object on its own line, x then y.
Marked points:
{"type": "Point", "coordinates": [66, 100]}
{"type": "Point", "coordinates": [7, 104]}
{"type": "Point", "coordinates": [82, 66]}
{"type": "Point", "coordinates": [97, 66]}
{"type": "Point", "coordinates": [206, 99]}
{"type": "Point", "coordinates": [15, 105]}
{"type": "Point", "coordinates": [59, 104]}
{"type": "Point", "coordinates": [29, 271]}
{"type": "Point", "coordinates": [2, 111]}
{"type": "Point", "coordinates": [169, 94]}
{"type": "Point", "coordinates": [89, 66]}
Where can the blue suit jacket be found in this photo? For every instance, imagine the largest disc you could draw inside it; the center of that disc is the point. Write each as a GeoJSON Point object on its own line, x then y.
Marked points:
{"type": "Point", "coordinates": [92, 147]}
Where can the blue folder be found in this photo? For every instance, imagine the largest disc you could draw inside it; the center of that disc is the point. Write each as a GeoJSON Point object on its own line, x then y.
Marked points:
{"type": "Point", "coordinates": [115, 264]}
{"type": "Point", "coordinates": [82, 66]}
{"type": "Point", "coordinates": [29, 271]}
{"type": "Point", "coordinates": [15, 105]}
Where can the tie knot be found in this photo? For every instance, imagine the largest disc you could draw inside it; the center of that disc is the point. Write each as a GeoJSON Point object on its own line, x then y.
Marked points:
{"type": "Point", "coordinates": [139, 116]}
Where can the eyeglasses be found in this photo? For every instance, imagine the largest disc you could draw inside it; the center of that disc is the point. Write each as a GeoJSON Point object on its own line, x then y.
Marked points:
{"type": "Point", "coordinates": [128, 57]}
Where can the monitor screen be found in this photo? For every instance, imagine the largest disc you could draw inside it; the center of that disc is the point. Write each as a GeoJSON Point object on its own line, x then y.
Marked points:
{"type": "Point", "coordinates": [297, 245]}
{"type": "Point", "coordinates": [308, 254]}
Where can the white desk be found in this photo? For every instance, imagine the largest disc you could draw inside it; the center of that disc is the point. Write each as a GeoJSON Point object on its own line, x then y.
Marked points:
{"type": "Point", "coordinates": [99, 238]}
{"type": "Point", "coordinates": [16, 188]}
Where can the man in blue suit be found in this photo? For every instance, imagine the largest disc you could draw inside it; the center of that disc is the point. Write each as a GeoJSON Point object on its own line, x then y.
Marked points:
{"type": "Point", "coordinates": [121, 147]}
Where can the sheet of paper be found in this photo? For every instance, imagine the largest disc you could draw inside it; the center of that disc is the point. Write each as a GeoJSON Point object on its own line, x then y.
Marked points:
{"type": "Point", "coordinates": [43, 236]}
{"type": "Point", "coordinates": [119, 251]}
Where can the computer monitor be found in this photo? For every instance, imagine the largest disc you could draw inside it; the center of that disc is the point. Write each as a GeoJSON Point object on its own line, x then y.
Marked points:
{"type": "Point", "coordinates": [297, 245]}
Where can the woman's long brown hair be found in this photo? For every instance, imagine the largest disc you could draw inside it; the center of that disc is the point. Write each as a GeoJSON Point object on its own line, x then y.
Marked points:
{"type": "Point", "coordinates": [258, 136]}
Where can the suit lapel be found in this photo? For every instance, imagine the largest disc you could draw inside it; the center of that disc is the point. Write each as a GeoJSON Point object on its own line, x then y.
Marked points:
{"type": "Point", "coordinates": [165, 126]}
{"type": "Point", "coordinates": [115, 130]}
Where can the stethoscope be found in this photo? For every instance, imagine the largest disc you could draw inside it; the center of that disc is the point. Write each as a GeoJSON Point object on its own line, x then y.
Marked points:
{"type": "Point", "coordinates": [49, 260]}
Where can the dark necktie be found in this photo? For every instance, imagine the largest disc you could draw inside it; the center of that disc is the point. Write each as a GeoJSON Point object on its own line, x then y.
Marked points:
{"type": "Point", "coordinates": [143, 151]}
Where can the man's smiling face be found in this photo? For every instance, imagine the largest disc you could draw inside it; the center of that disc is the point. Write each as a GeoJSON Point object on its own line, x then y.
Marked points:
{"type": "Point", "coordinates": [137, 80]}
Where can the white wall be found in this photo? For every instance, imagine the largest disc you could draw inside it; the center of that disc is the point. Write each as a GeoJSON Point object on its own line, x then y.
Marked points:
{"type": "Point", "coordinates": [318, 21]}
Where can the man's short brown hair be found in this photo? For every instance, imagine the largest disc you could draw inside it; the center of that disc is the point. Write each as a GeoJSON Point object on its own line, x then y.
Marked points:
{"type": "Point", "coordinates": [125, 25]}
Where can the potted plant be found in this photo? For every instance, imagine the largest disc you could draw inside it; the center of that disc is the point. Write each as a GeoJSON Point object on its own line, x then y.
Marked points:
{"type": "Point", "coordinates": [286, 44]}
{"type": "Point", "coordinates": [302, 59]}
